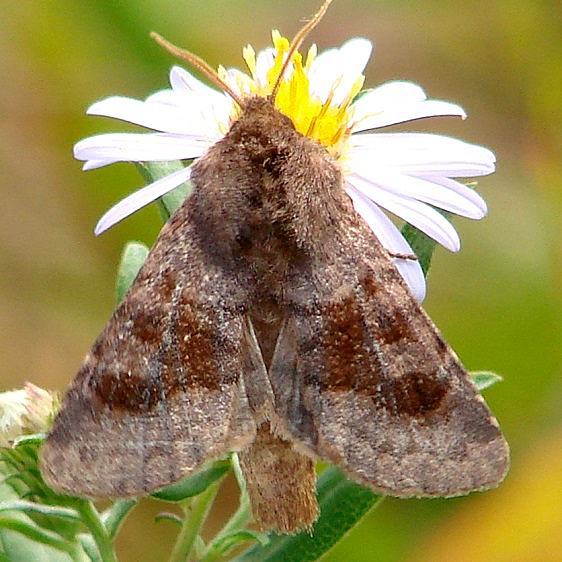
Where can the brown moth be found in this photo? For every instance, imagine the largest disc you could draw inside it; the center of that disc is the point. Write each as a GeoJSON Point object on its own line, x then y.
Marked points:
{"type": "Point", "coordinates": [268, 320]}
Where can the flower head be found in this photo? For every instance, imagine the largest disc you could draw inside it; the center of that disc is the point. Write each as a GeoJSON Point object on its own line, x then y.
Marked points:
{"type": "Point", "coordinates": [407, 174]}
{"type": "Point", "coordinates": [23, 411]}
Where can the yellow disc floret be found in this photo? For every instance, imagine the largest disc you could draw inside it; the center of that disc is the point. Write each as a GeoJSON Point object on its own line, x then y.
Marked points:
{"type": "Point", "coordinates": [325, 120]}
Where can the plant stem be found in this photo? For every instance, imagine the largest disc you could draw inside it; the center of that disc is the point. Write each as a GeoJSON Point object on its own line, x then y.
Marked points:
{"type": "Point", "coordinates": [238, 521]}
{"type": "Point", "coordinates": [93, 521]}
{"type": "Point", "coordinates": [195, 512]}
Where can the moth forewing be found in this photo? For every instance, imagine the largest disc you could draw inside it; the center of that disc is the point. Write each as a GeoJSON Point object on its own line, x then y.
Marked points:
{"type": "Point", "coordinates": [161, 392]}
{"type": "Point", "coordinates": [364, 379]}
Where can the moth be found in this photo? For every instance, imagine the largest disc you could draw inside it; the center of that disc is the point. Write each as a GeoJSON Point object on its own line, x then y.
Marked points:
{"type": "Point", "coordinates": [269, 321]}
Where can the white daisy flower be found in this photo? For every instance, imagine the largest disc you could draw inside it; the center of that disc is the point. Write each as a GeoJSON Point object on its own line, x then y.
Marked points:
{"type": "Point", "coordinates": [406, 174]}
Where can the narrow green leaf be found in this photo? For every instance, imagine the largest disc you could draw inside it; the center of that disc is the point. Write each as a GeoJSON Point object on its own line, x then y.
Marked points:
{"type": "Point", "coordinates": [89, 546]}
{"type": "Point", "coordinates": [31, 507]}
{"type": "Point", "coordinates": [342, 504]}
{"type": "Point", "coordinates": [228, 542]}
{"type": "Point", "coordinates": [32, 531]}
{"type": "Point", "coordinates": [35, 439]}
{"type": "Point", "coordinates": [198, 547]}
{"type": "Point", "coordinates": [166, 516]}
{"type": "Point", "coordinates": [114, 516]}
{"type": "Point", "coordinates": [169, 203]}
{"type": "Point", "coordinates": [133, 256]}
{"type": "Point", "coordinates": [193, 485]}
{"type": "Point", "coordinates": [484, 379]}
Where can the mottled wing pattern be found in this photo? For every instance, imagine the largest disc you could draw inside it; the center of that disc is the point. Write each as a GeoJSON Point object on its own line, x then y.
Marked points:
{"type": "Point", "coordinates": [161, 390]}
{"type": "Point", "coordinates": [362, 377]}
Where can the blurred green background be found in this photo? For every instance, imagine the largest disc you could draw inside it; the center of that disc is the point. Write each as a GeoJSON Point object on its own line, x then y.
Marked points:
{"type": "Point", "coordinates": [498, 302]}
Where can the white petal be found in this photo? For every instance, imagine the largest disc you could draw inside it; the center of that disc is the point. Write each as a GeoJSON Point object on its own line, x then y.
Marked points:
{"type": "Point", "coordinates": [460, 169]}
{"type": "Point", "coordinates": [239, 81]}
{"type": "Point", "coordinates": [264, 61]}
{"type": "Point", "coordinates": [166, 97]}
{"type": "Point", "coordinates": [324, 71]}
{"type": "Point", "coordinates": [354, 56]}
{"type": "Point", "coordinates": [405, 147]}
{"type": "Point", "coordinates": [422, 190]}
{"type": "Point", "coordinates": [132, 147]}
{"type": "Point", "coordinates": [207, 108]}
{"type": "Point", "coordinates": [383, 160]}
{"type": "Point", "coordinates": [141, 198]}
{"type": "Point", "coordinates": [95, 164]}
{"type": "Point", "coordinates": [422, 154]}
{"type": "Point", "coordinates": [418, 214]}
{"type": "Point", "coordinates": [463, 190]}
{"type": "Point", "coordinates": [183, 82]}
{"type": "Point", "coordinates": [387, 96]}
{"type": "Point", "coordinates": [158, 116]}
{"type": "Point", "coordinates": [411, 112]}
{"type": "Point", "coordinates": [343, 66]}
{"type": "Point", "coordinates": [355, 53]}
{"type": "Point", "coordinates": [391, 238]}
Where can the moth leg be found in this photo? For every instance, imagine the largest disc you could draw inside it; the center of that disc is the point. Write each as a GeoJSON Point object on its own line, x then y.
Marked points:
{"type": "Point", "coordinates": [402, 256]}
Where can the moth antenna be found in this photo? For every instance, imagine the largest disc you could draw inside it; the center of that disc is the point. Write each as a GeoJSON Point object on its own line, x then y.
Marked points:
{"type": "Point", "coordinates": [199, 64]}
{"type": "Point", "coordinates": [297, 42]}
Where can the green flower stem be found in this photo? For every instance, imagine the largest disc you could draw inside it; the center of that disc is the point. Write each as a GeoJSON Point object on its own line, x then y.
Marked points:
{"type": "Point", "coordinates": [102, 538]}
{"type": "Point", "coordinates": [238, 521]}
{"type": "Point", "coordinates": [195, 512]}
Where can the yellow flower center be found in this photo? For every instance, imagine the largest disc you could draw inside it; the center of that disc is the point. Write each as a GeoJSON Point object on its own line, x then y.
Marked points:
{"type": "Point", "coordinates": [325, 121]}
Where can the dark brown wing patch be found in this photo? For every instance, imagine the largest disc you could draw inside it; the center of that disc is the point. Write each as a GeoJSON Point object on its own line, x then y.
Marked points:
{"type": "Point", "coordinates": [162, 390]}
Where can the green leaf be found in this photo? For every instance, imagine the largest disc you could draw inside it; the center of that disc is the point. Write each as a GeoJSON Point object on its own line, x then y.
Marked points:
{"type": "Point", "coordinates": [133, 256]}
{"type": "Point", "coordinates": [166, 516]}
{"type": "Point", "coordinates": [24, 538]}
{"type": "Point", "coordinates": [89, 546]}
{"type": "Point", "coordinates": [484, 379]}
{"type": "Point", "coordinates": [168, 203]}
{"type": "Point", "coordinates": [114, 516]}
{"type": "Point", "coordinates": [193, 485]}
{"type": "Point", "coordinates": [35, 439]}
{"type": "Point", "coordinates": [34, 532]}
{"type": "Point", "coordinates": [342, 504]}
{"type": "Point", "coordinates": [31, 507]}
{"type": "Point", "coordinates": [228, 542]}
